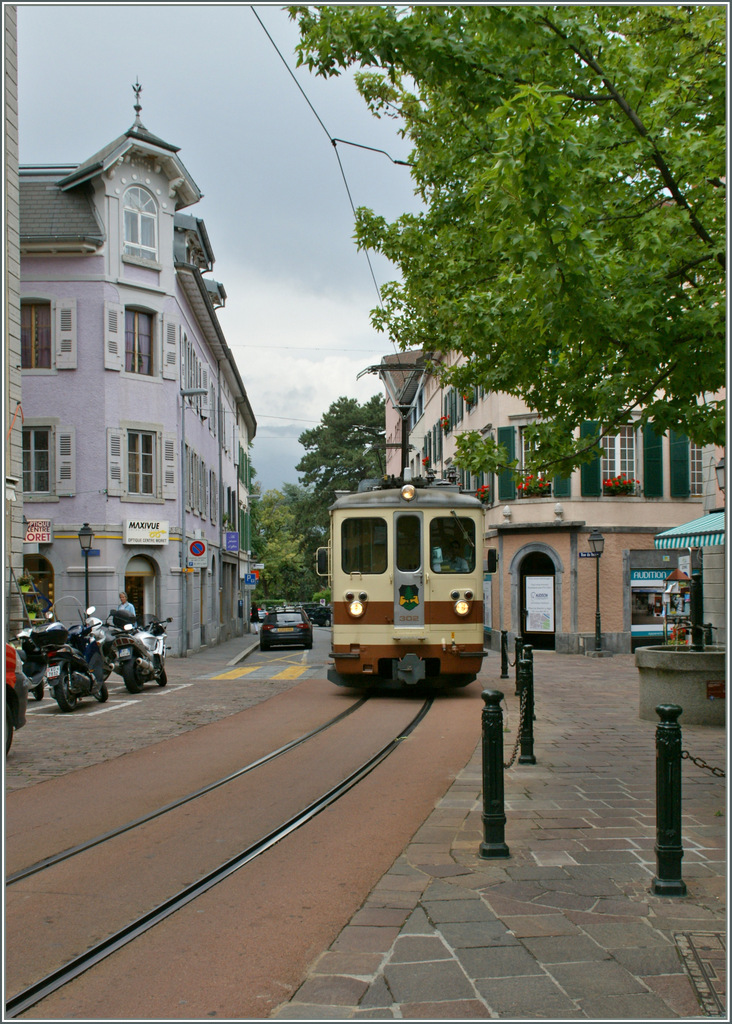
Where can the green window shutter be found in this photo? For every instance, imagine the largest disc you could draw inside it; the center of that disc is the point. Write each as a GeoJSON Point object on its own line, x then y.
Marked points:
{"type": "Point", "coordinates": [506, 483]}
{"type": "Point", "coordinates": [679, 457]}
{"type": "Point", "coordinates": [562, 487]}
{"type": "Point", "coordinates": [652, 463]}
{"type": "Point", "coordinates": [591, 472]}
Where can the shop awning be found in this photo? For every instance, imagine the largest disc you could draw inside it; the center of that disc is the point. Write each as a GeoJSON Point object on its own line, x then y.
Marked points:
{"type": "Point", "coordinates": [699, 533]}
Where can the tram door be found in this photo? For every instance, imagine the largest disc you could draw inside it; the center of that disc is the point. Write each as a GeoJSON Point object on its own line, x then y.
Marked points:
{"type": "Point", "coordinates": [408, 570]}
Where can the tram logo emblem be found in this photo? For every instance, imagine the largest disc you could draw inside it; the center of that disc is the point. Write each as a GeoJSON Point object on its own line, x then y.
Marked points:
{"type": "Point", "coordinates": [409, 596]}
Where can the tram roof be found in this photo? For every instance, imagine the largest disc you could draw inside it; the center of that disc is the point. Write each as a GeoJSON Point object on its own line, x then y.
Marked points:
{"type": "Point", "coordinates": [431, 496]}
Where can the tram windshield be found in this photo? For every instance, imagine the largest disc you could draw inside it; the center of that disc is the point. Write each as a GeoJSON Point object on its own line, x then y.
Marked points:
{"type": "Point", "coordinates": [363, 545]}
{"type": "Point", "coordinates": [408, 543]}
{"type": "Point", "coordinates": [452, 544]}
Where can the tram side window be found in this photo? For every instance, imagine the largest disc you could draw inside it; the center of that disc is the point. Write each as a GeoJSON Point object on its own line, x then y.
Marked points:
{"type": "Point", "coordinates": [363, 545]}
{"type": "Point", "coordinates": [452, 544]}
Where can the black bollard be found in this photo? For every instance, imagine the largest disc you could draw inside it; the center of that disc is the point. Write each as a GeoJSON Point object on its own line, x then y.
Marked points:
{"type": "Point", "coordinates": [494, 815]}
{"type": "Point", "coordinates": [504, 654]}
{"type": "Point", "coordinates": [696, 612]}
{"type": "Point", "coordinates": [669, 850]}
{"type": "Point", "coordinates": [526, 686]}
{"type": "Point", "coordinates": [517, 658]}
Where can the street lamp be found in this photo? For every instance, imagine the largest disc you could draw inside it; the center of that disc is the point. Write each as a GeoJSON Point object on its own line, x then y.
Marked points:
{"type": "Point", "coordinates": [719, 470]}
{"type": "Point", "coordinates": [86, 536]}
{"type": "Point", "coordinates": [184, 393]}
{"type": "Point", "coordinates": [597, 545]}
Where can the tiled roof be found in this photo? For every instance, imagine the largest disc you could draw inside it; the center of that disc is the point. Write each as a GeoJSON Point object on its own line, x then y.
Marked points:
{"type": "Point", "coordinates": [47, 213]}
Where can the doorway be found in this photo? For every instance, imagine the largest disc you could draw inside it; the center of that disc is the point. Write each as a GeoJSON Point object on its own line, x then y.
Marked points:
{"type": "Point", "coordinates": [537, 601]}
{"type": "Point", "coordinates": [140, 586]}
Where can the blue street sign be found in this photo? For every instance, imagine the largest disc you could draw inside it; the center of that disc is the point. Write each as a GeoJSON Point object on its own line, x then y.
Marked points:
{"type": "Point", "coordinates": [91, 552]}
{"type": "Point", "coordinates": [250, 579]}
{"type": "Point", "coordinates": [232, 540]}
{"type": "Point", "coordinates": [588, 554]}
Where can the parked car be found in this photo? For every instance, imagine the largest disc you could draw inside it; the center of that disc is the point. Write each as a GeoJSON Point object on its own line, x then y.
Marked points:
{"type": "Point", "coordinates": [320, 614]}
{"type": "Point", "coordinates": [288, 627]}
{"type": "Point", "coordinates": [16, 693]}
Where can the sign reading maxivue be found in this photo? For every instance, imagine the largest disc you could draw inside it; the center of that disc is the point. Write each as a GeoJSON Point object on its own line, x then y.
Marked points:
{"type": "Point", "coordinates": [146, 531]}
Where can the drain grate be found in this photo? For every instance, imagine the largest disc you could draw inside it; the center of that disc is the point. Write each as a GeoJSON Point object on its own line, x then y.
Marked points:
{"type": "Point", "coordinates": [705, 957]}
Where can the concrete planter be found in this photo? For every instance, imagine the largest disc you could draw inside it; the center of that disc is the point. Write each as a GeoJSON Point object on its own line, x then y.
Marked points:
{"type": "Point", "coordinates": [678, 675]}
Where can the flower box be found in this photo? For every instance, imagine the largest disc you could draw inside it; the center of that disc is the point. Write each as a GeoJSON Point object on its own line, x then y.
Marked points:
{"type": "Point", "coordinates": [535, 487]}
{"type": "Point", "coordinates": [484, 494]}
{"type": "Point", "coordinates": [619, 486]}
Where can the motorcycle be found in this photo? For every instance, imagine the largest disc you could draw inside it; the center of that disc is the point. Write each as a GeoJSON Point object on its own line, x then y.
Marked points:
{"type": "Point", "coordinates": [75, 665]}
{"type": "Point", "coordinates": [105, 634]}
{"type": "Point", "coordinates": [141, 654]}
{"type": "Point", "coordinates": [35, 661]}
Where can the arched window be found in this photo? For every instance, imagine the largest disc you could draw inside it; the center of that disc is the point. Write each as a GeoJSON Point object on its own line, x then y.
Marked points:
{"type": "Point", "coordinates": [141, 218]}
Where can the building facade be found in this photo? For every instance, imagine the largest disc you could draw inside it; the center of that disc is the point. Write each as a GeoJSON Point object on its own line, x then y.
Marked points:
{"type": "Point", "coordinates": [135, 413]}
{"type": "Point", "coordinates": [546, 581]}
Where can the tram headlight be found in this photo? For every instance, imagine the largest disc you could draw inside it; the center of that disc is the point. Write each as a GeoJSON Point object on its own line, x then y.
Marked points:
{"type": "Point", "coordinates": [356, 608]}
{"type": "Point", "coordinates": [462, 607]}
{"type": "Point", "coordinates": [408, 492]}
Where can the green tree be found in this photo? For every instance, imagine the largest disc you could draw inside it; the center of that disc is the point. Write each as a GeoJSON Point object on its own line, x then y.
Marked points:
{"type": "Point", "coordinates": [283, 543]}
{"type": "Point", "coordinates": [571, 162]}
{"type": "Point", "coordinates": [347, 447]}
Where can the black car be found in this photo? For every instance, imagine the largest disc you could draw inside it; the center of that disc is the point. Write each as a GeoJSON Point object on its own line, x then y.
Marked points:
{"type": "Point", "coordinates": [320, 614]}
{"type": "Point", "coordinates": [288, 627]}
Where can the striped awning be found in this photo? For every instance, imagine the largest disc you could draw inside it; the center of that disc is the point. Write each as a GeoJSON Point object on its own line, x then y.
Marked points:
{"type": "Point", "coordinates": [699, 533]}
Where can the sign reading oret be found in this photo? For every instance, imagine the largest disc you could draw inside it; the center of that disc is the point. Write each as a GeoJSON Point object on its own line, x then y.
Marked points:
{"type": "Point", "coordinates": [197, 554]}
{"type": "Point", "coordinates": [38, 531]}
{"type": "Point", "coordinates": [146, 531]}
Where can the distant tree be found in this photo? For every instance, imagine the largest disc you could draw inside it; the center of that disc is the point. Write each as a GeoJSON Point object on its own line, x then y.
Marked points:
{"type": "Point", "coordinates": [283, 544]}
{"type": "Point", "coordinates": [348, 446]}
{"type": "Point", "coordinates": [572, 163]}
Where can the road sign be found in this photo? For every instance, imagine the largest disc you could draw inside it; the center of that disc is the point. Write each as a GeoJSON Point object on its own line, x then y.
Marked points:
{"type": "Point", "coordinates": [197, 553]}
{"type": "Point", "coordinates": [589, 554]}
{"type": "Point", "coordinates": [250, 579]}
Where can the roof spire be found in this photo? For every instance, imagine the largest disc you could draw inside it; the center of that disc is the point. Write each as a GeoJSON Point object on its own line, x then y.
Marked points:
{"type": "Point", "coordinates": [137, 89]}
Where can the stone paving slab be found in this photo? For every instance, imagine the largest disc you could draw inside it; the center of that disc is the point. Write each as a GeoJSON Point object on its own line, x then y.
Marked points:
{"type": "Point", "coordinates": [566, 927]}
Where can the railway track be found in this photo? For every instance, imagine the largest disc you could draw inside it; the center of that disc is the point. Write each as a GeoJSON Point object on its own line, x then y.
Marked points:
{"type": "Point", "coordinates": [120, 936]}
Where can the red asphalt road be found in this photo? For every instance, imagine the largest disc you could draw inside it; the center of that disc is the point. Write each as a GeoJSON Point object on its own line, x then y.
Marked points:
{"type": "Point", "coordinates": [244, 947]}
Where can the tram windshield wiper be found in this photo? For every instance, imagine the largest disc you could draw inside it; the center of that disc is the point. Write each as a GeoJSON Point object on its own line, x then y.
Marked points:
{"type": "Point", "coordinates": [462, 528]}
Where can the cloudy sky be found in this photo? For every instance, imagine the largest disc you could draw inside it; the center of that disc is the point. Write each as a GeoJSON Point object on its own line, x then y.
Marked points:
{"type": "Point", "coordinates": [275, 204]}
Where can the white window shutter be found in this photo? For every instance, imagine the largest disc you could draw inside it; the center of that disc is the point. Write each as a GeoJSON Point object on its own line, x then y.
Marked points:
{"type": "Point", "coordinates": [170, 466]}
{"type": "Point", "coordinates": [203, 408]}
{"type": "Point", "coordinates": [114, 336]}
{"type": "Point", "coordinates": [65, 325]}
{"type": "Point", "coordinates": [235, 450]}
{"type": "Point", "coordinates": [115, 461]}
{"type": "Point", "coordinates": [170, 348]}
{"type": "Point", "coordinates": [65, 461]}
{"type": "Point", "coordinates": [206, 484]}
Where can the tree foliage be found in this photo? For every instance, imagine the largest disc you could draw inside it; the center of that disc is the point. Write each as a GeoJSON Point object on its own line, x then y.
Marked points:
{"type": "Point", "coordinates": [284, 541]}
{"type": "Point", "coordinates": [345, 448]}
{"type": "Point", "coordinates": [571, 160]}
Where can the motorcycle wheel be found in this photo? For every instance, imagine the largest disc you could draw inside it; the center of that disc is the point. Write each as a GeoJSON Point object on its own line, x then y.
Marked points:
{"type": "Point", "coordinates": [65, 699]}
{"type": "Point", "coordinates": [162, 679]}
{"type": "Point", "coordinates": [102, 693]}
{"type": "Point", "coordinates": [129, 674]}
{"type": "Point", "coordinates": [37, 692]}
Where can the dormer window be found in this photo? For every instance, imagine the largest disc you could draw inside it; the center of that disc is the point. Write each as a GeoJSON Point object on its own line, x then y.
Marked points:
{"type": "Point", "coordinates": [141, 217]}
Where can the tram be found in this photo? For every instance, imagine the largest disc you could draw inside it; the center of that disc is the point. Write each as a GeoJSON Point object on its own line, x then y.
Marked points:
{"type": "Point", "coordinates": [405, 568]}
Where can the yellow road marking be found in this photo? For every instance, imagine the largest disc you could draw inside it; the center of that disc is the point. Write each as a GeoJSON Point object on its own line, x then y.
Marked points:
{"type": "Point", "coordinates": [292, 672]}
{"type": "Point", "coordinates": [236, 673]}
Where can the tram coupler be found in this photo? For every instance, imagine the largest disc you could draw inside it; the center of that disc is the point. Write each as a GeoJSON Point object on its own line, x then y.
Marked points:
{"type": "Point", "coordinates": [410, 669]}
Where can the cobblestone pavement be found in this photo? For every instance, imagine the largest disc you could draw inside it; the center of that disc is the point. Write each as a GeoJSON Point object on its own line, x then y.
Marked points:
{"type": "Point", "coordinates": [566, 927]}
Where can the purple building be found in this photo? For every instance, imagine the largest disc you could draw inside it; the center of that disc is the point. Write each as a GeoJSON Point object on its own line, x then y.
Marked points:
{"type": "Point", "coordinates": [118, 323]}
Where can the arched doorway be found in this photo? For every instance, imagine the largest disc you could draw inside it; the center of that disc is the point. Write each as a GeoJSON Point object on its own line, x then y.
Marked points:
{"type": "Point", "coordinates": [537, 601]}
{"type": "Point", "coordinates": [140, 587]}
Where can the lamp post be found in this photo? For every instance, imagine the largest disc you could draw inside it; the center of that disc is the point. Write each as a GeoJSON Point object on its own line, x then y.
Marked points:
{"type": "Point", "coordinates": [184, 393]}
{"type": "Point", "coordinates": [597, 544]}
{"type": "Point", "coordinates": [719, 470]}
{"type": "Point", "coordinates": [86, 536]}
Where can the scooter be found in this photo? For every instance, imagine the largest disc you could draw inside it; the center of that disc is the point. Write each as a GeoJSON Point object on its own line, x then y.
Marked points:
{"type": "Point", "coordinates": [105, 633]}
{"type": "Point", "coordinates": [34, 660]}
{"type": "Point", "coordinates": [141, 654]}
{"type": "Point", "coordinates": [75, 666]}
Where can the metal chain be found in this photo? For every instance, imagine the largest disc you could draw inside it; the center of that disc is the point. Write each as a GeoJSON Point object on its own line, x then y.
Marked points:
{"type": "Point", "coordinates": [522, 712]}
{"type": "Point", "coordinates": [701, 763]}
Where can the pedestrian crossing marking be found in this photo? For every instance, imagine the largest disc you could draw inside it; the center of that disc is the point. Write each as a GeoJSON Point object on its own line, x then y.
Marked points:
{"type": "Point", "coordinates": [236, 673]}
{"type": "Point", "coordinates": [291, 672]}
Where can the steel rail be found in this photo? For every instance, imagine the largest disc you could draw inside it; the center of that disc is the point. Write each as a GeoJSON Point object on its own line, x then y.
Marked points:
{"type": "Point", "coordinates": [72, 851]}
{"type": "Point", "coordinates": [68, 972]}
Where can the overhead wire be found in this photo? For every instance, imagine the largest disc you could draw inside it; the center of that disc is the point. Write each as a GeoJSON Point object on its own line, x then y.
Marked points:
{"type": "Point", "coordinates": [334, 142]}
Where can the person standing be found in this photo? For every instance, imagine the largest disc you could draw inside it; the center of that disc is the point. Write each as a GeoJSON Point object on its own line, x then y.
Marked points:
{"type": "Point", "coordinates": [125, 605]}
{"type": "Point", "coordinates": [254, 618]}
